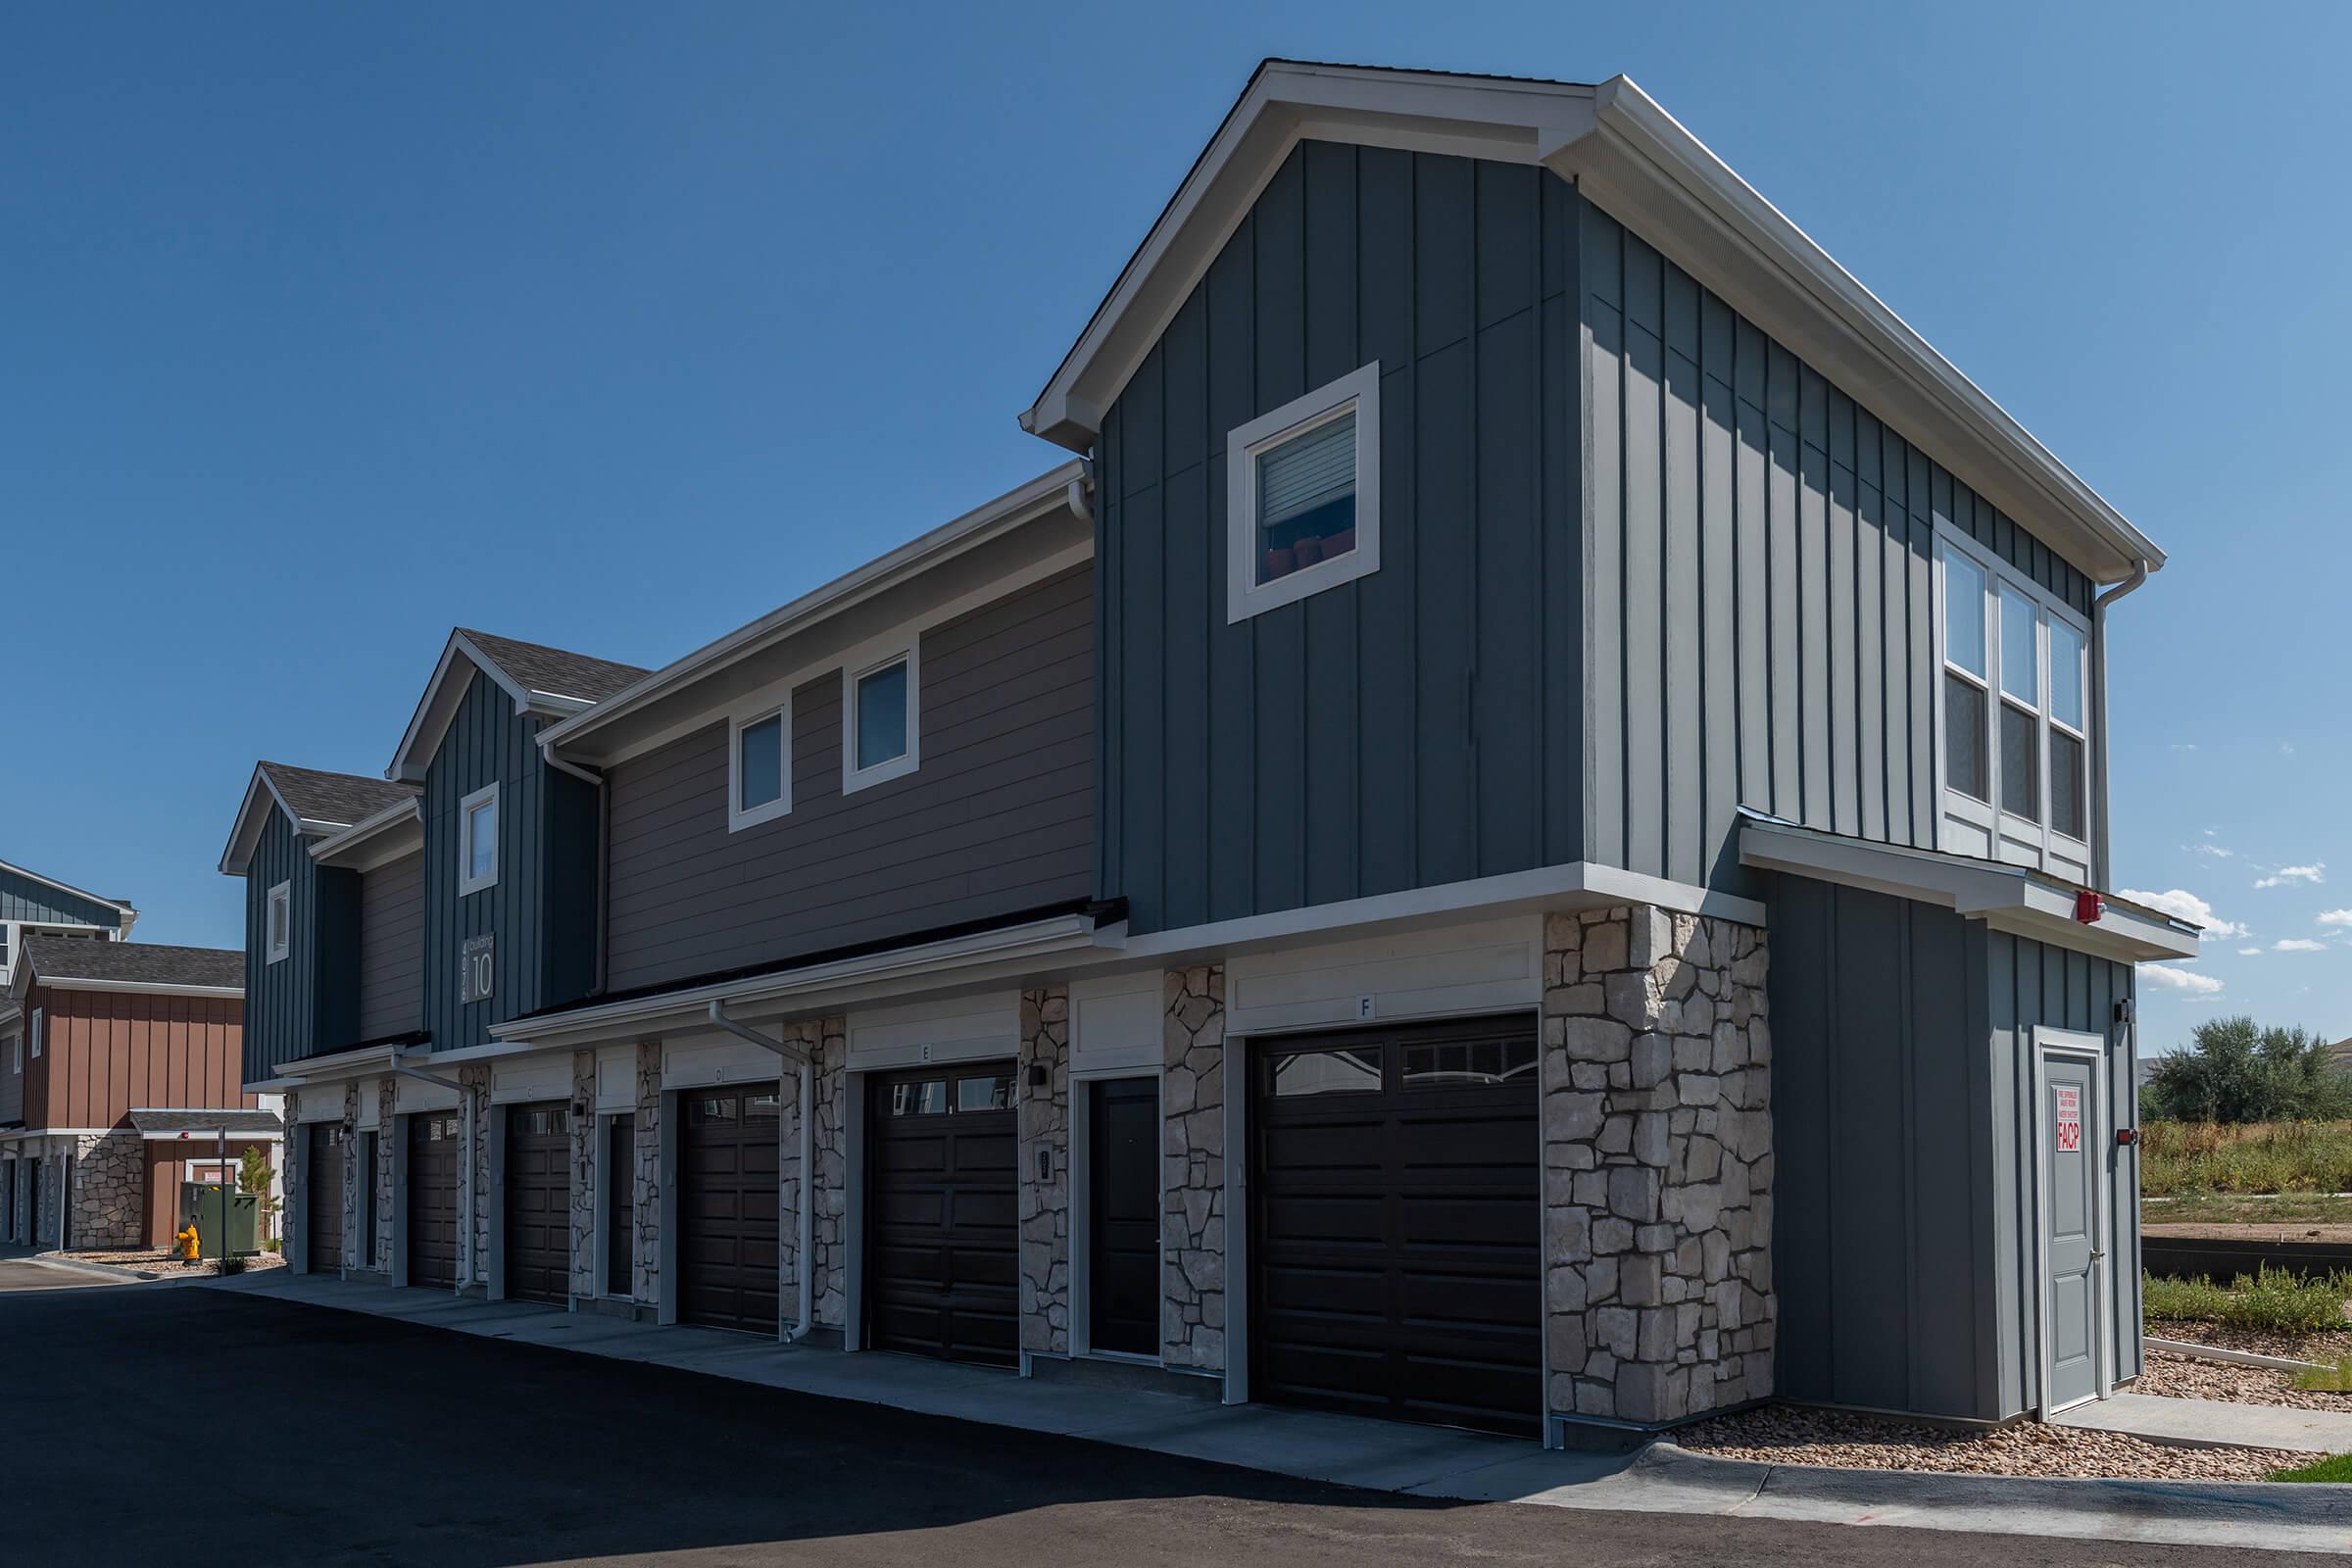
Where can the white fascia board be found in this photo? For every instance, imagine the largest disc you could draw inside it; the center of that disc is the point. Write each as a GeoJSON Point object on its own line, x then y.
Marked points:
{"type": "Point", "coordinates": [213, 1135]}
{"type": "Point", "coordinates": [344, 847]}
{"type": "Point", "coordinates": [1064, 485]}
{"type": "Point", "coordinates": [67, 887]}
{"type": "Point", "coordinates": [339, 1065]}
{"type": "Point", "coordinates": [439, 705]}
{"type": "Point", "coordinates": [1636, 163]}
{"type": "Point", "coordinates": [2014, 898]}
{"type": "Point", "coordinates": [954, 961]}
{"type": "Point", "coordinates": [140, 988]}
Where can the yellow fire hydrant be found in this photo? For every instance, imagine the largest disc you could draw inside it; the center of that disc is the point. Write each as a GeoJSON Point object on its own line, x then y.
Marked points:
{"type": "Point", "coordinates": [188, 1241]}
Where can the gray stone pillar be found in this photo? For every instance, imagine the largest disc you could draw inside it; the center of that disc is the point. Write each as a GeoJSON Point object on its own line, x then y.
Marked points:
{"type": "Point", "coordinates": [350, 1176]}
{"type": "Point", "coordinates": [474, 1080]}
{"type": "Point", "coordinates": [586, 1156]}
{"type": "Point", "coordinates": [387, 1135]}
{"type": "Point", "coordinates": [645, 1199]}
{"type": "Point", "coordinates": [832, 1195]}
{"type": "Point", "coordinates": [1045, 1128]}
{"type": "Point", "coordinates": [1657, 1133]}
{"type": "Point", "coordinates": [1193, 1181]}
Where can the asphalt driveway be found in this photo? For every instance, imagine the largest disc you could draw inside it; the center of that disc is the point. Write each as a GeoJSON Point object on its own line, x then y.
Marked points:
{"type": "Point", "coordinates": [172, 1423]}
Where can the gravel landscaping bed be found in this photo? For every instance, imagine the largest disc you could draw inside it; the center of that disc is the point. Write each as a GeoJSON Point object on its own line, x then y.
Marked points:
{"type": "Point", "coordinates": [2180, 1377]}
{"type": "Point", "coordinates": [2324, 1346]}
{"type": "Point", "coordinates": [1790, 1435]}
{"type": "Point", "coordinates": [161, 1260]}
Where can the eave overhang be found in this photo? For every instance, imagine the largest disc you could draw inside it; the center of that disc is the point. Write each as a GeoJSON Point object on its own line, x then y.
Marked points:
{"type": "Point", "coordinates": [1644, 168]}
{"type": "Point", "coordinates": [389, 834]}
{"type": "Point", "coordinates": [261, 797]}
{"type": "Point", "coordinates": [2015, 899]}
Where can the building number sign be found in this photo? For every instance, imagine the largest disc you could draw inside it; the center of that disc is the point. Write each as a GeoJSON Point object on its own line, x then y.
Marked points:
{"type": "Point", "coordinates": [2069, 1121]}
{"type": "Point", "coordinates": [477, 967]}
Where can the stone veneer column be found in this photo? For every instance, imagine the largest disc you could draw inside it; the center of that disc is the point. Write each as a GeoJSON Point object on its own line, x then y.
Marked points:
{"type": "Point", "coordinates": [351, 1175]}
{"type": "Point", "coordinates": [832, 1232]}
{"type": "Point", "coordinates": [295, 1176]}
{"type": "Point", "coordinates": [388, 1137]}
{"type": "Point", "coordinates": [811, 1035]}
{"type": "Point", "coordinates": [645, 1269]}
{"type": "Point", "coordinates": [1658, 1129]}
{"type": "Point", "coordinates": [1191, 1313]}
{"type": "Point", "coordinates": [475, 1079]}
{"type": "Point", "coordinates": [585, 1155]}
{"type": "Point", "coordinates": [1045, 1123]}
{"type": "Point", "coordinates": [110, 1197]}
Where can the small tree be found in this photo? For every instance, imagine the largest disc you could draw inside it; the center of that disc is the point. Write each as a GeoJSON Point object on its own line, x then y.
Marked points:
{"type": "Point", "coordinates": [2234, 1071]}
{"type": "Point", "coordinates": [253, 1176]}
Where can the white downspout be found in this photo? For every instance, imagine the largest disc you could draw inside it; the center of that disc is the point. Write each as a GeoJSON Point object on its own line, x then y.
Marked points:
{"type": "Point", "coordinates": [805, 1267]}
{"type": "Point", "coordinates": [2101, 850]}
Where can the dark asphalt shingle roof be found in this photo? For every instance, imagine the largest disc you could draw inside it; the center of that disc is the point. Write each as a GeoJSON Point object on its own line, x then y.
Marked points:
{"type": "Point", "coordinates": [341, 798]}
{"type": "Point", "coordinates": [232, 1121]}
{"type": "Point", "coordinates": [538, 669]}
{"type": "Point", "coordinates": [133, 962]}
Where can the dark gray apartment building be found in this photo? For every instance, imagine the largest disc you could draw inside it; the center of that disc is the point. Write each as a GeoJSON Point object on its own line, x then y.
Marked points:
{"type": "Point", "coordinates": [1515, 840]}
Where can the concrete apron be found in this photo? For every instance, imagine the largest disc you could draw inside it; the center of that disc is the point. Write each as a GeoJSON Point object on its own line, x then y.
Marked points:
{"type": "Point", "coordinates": [1388, 1457]}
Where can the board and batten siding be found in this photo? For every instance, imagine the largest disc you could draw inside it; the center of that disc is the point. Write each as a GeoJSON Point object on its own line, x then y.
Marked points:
{"type": "Point", "coordinates": [391, 967]}
{"type": "Point", "coordinates": [1418, 725]}
{"type": "Point", "coordinates": [106, 1053]}
{"type": "Point", "coordinates": [542, 908]}
{"type": "Point", "coordinates": [997, 820]}
{"type": "Point", "coordinates": [1903, 1242]}
{"type": "Point", "coordinates": [25, 898]}
{"type": "Point", "coordinates": [1761, 581]}
{"type": "Point", "coordinates": [281, 999]}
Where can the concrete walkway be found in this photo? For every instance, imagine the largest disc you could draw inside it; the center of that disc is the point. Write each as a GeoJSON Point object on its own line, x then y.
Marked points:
{"type": "Point", "coordinates": [2214, 1423]}
{"type": "Point", "coordinates": [1388, 1457]}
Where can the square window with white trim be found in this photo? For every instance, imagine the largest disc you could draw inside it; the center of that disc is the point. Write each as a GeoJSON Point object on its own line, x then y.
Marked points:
{"type": "Point", "coordinates": [478, 840]}
{"type": "Point", "coordinates": [881, 717]}
{"type": "Point", "coordinates": [1303, 496]}
{"type": "Point", "coordinates": [759, 763]}
{"type": "Point", "coordinates": [2013, 731]}
{"type": "Point", "coordinates": [278, 922]}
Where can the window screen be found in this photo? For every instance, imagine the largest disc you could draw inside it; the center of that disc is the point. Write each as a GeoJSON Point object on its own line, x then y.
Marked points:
{"type": "Point", "coordinates": [1964, 747]}
{"type": "Point", "coordinates": [2021, 761]}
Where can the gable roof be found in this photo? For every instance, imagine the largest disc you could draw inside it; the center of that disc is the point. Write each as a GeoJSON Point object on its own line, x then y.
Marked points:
{"type": "Point", "coordinates": [1634, 160]}
{"type": "Point", "coordinates": [91, 963]}
{"type": "Point", "coordinates": [130, 914]}
{"type": "Point", "coordinates": [550, 682]}
{"type": "Point", "coordinates": [315, 803]}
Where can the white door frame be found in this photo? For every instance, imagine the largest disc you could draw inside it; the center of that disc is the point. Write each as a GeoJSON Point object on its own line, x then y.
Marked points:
{"type": "Point", "coordinates": [2098, 1142]}
{"type": "Point", "coordinates": [1082, 1204]}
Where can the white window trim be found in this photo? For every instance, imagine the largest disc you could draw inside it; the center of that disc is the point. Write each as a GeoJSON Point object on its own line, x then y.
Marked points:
{"type": "Point", "coordinates": [39, 1031]}
{"type": "Point", "coordinates": [2002, 826]}
{"type": "Point", "coordinates": [875, 657]}
{"type": "Point", "coordinates": [1245, 595]}
{"type": "Point", "coordinates": [281, 897]}
{"type": "Point", "coordinates": [766, 705]}
{"type": "Point", "coordinates": [466, 882]}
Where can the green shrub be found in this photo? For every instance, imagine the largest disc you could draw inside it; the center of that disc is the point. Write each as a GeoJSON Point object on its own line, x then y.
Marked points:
{"type": "Point", "coordinates": [2273, 1299]}
{"type": "Point", "coordinates": [2235, 1071]}
{"type": "Point", "coordinates": [271, 1245]}
{"type": "Point", "coordinates": [232, 1266]}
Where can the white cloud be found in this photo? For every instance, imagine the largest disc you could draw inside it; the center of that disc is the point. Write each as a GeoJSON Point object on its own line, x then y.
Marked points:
{"type": "Point", "coordinates": [2286, 748]}
{"type": "Point", "coordinates": [2182, 980]}
{"type": "Point", "coordinates": [2298, 945]}
{"type": "Point", "coordinates": [2249, 952]}
{"type": "Point", "coordinates": [2314, 873]}
{"type": "Point", "coordinates": [2184, 746]}
{"type": "Point", "coordinates": [2212, 849]}
{"type": "Point", "coordinates": [2183, 905]}
{"type": "Point", "coordinates": [2336, 917]}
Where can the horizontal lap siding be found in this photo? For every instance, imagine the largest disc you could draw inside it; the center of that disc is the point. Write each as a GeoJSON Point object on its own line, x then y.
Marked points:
{"type": "Point", "coordinates": [1761, 586]}
{"type": "Point", "coordinates": [391, 968]}
{"type": "Point", "coordinates": [1419, 725]}
{"type": "Point", "coordinates": [1882, 1232]}
{"type": "Point", "coordinates": [2033, 983]}
{"type": "Point", "coordinates": [998, 817]}
{"type": "Point", "coordinates": [109, 1053]}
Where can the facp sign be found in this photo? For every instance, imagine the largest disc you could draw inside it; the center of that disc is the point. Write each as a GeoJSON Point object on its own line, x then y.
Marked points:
{"type": "Point", "coordinates": [2070, 1120]}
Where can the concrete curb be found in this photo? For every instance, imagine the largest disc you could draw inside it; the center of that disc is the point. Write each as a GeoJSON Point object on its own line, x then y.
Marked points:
{"type": "Point", "coordinates": [110, 1271]}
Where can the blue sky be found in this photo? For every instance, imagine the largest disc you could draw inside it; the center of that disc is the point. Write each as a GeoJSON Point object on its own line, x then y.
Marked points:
{"type": "Point", "coordinates": [328, 328]}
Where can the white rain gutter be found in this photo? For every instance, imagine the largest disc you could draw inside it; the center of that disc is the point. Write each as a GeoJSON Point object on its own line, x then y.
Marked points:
{"type": "Point", "coordinates": [2101, 850]}
{"type": "Point", "coordinates": [805, 1108]}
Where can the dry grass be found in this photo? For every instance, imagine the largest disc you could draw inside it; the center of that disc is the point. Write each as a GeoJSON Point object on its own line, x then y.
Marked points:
{"type": "Point", "coordinates": [2180, 1158]}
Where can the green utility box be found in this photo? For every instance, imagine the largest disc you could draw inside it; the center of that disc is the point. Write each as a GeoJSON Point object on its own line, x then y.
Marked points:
{"type": "Point", "coordinates": [224, 1217]}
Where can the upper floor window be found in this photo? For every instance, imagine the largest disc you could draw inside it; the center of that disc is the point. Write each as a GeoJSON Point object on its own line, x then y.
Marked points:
{"type": "Point", "coordinates": [278, 921]}
{"type": "Point", "coordinates": [1303, 496]}
{"type": "Point", "coordinates": [759, 765]}
{"type": "Point", "coordinates": [2015, 724]}
{"type": "Point", "coordinates": [15, 1053]}
{"type": "Point", "coordinates": [478, 840]}
{"type": "Point", "coordinates": [40, 1028]}
{"type": "Point", "coordinates": [881, 728]}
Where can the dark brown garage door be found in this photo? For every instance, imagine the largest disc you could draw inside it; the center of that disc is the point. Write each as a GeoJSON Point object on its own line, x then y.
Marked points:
{"type": "Point", "coordinates": [727, 1208]}
{"type": "Point", "coordinates": [1396, 1223]}
{"type": "Point", "coordinates": [538, 1246]}
{"type": "Point", "coordinates": [326, 1197]}
{"type": "Point", "coordinates": [944, 1276]}
{"type": "Point", "coordinates": [435, 1155]}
